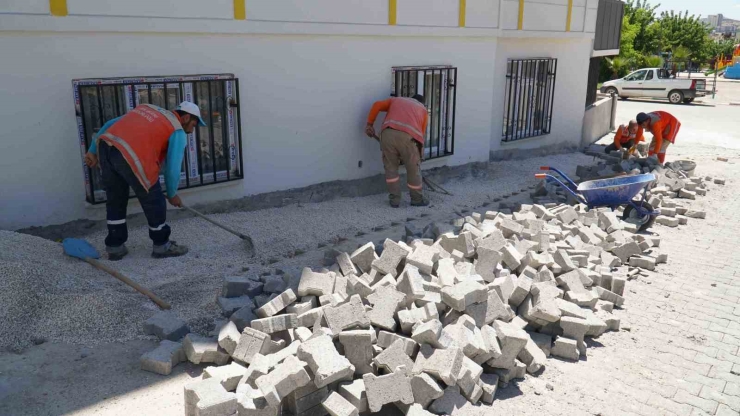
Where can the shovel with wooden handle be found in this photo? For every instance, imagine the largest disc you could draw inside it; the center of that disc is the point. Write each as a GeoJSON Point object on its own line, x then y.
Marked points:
{"type": "Point", "coordinates": [82, 250]}
{"type": "Point", "coordinates": [247, 239]}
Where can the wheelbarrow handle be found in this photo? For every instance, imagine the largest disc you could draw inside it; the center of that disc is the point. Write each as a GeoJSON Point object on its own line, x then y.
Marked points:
{"type": "Point", "coordinates": [547, 176]}
{"type": "Point", "coordinates": [564, 176]}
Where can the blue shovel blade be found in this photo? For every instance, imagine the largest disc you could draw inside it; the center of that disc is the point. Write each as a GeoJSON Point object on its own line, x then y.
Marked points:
{"type": "Point", "coordinates": [81, 249]}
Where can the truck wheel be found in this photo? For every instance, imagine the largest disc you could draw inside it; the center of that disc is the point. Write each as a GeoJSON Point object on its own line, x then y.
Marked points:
{"type": "Point", "coordinates": [688, 100]}
{"type": "Point", "coordinates": [612, 90]}
{"type": "Point", "coordinates": [675, 97]}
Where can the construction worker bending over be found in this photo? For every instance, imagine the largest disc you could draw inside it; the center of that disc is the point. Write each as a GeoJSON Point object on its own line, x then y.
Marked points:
{"type": "Point", "coordinates": [130, 150]}
{"type": "Point", "coordinates": [626, 137]}
{"type": "Point", "coordinates": [401, 140]}
{"type": "Point", "coordinates": [664, 128]}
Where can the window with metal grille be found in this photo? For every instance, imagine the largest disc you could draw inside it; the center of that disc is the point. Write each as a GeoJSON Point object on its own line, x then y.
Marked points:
{"type": "Point", "coordinates": [213, 153]}
{"type": "Point", "coordinates": [438, 85]}
{"type": "Point", "coordinates": [529, 97]}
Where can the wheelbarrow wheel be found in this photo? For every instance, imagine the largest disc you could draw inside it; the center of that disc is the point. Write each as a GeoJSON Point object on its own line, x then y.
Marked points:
{"type": "Point", "coordinates": [633, 216]}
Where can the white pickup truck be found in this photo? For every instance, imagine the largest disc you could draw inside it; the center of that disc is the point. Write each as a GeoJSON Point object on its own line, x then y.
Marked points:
{"type": "Point", "coordinates": [656, 83]}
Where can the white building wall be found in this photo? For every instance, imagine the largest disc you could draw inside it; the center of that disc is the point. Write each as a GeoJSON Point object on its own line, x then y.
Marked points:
{"type": "Point", "coordinates": [309, 71]}
{"type": "Point", "coordinates": [570, 89]}
{"type": "Point", "coordinates": [304, 101]}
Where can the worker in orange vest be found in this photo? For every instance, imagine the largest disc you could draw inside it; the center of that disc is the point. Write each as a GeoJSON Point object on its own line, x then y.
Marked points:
{"type": "Point", "coordinates": [131, 150]}
{"type": "Point", "coordinates": [401, 140]}
{"type": "Point", "coordinates": [664, 128]}
{"type": "Point", "coordinates": [627, 137]}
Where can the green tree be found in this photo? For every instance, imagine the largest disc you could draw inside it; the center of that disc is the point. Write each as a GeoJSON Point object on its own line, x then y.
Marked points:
{"type": "Point", "coordinates": [642, 15]}
{"type": "Point", "coordinates": [683, 35]}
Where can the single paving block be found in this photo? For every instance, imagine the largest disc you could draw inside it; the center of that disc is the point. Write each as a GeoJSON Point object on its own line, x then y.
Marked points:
{"type": "Point", "coordinates": [276, 305]}
{"type": "Point", "coordinates": [228, 375]}
{"type": "Point", "coordinates": [243, 317]}
{"type": "Point", "coordinates": [208, 397]}
{"type": "Point", "coordinates": [444, 364]}
{"type": "Point", "coordinates": [337, 405]}
{"type": "Point", "coordinates": [565, 348]}
{"type": "Point", "coordinates": [386, 301]}
{"type": "Point", "coordinates": [423, 257]}
{"type": "Point", "coordinates": [345, 264]}
{"type": "Point", "coordinates": [425, 389]}
{"type": "Point", "coordinates": [283, 380]}
{"type": "Point", "coordinates": [251, 342]}
{"type": "Point", "coordinates": [393, 254]}
{"type": "Point", "coordinates": [200, 349]}
{"type": "Point", "coordinates": [393, 357]}
{"type": "Point", "coordinates": [489, 385]}
{"type": "Point", "coordinates": [235, 286]}
{"type": "Point", "coordinates": [363, 257]}
{"type": "Point", "coordinates": [533, 356]}
{"type": "Point", "coordinates": [428, 333]}
{"type": "Point", "coordinates": [512, 340]}
{"type": "Point", "coordinates": [354, 392]}
{"type": "Point", "coordinates": [231, 305]}
{"type": "Point", "coordinates": [410, 317]}
{"type": "Point", "coordinates": [228, 337]}
{"type": "Point", "coordinates": [390, 388]}
{"type": "Point", "coordinates": [347, 315]}
{"type": "Point", "coordinates": [317, 284]}
{"type": "Point", "coordinates": [275, 324]}
{"type": "Point", "coordinates": [358, 349]}
{"type": "Point", "coordinates": [411, 284]}
{"type": "Point", "coordinates": [166, 325]}
{"type": "Point", "coordinates": [325, 362]}
{"type": "Point", "coordinates": [386, 339]}
{"type": "Point", "coordinates": [162, 359]}
{"type": "Point", "coordinates": [463, 294]}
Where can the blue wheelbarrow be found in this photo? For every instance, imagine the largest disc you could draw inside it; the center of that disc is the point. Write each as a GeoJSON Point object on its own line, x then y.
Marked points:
{"type": "Point", "coordinates": [612, 193]}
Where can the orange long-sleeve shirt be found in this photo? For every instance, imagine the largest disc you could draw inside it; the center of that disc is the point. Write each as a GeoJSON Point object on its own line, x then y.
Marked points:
{"type": "Point", "coordinates": [663, 126]}
{"type": "Point", "coordinates": [623, 136]}
{"type": "Point", "coordinates": [385, 106]}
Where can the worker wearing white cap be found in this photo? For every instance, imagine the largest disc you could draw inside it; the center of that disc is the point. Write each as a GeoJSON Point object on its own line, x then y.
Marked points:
{"type": "Point", "coordinates": [131, 150]}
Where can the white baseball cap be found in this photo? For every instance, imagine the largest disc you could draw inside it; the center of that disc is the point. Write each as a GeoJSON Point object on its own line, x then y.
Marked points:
{"type": "Point", "coordinates": [193, 109]}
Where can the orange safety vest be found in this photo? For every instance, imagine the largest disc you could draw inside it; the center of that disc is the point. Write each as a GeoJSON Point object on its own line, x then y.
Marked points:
{"type": "Point", "coordinates": [665, 125]}
{"type": "Point", "coordinates": [142, 136]}
{"type": "Point", "coordinates": [406, 115]}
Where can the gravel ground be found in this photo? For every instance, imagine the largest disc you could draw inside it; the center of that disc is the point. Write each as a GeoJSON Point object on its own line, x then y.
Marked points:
{"type": "Point", "coordinates": [47, 296]}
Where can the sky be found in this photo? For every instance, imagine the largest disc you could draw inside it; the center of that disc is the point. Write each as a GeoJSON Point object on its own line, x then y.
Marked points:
{"type": "Point", "coordinates": [729, 8]}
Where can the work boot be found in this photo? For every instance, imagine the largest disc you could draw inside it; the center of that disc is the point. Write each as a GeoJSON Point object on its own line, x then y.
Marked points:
{"type": "Point", "coordinates": [396, 205]}
{"type": "Point", "coordinates": [171, 249]}
{"type": "Point", "coordinates": [116, 253]}
{"type": "Point", "coordinates": [423, 203]}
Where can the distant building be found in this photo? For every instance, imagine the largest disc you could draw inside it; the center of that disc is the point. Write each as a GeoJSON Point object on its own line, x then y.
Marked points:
{"type": "Point", "coordinates": [715, 20]}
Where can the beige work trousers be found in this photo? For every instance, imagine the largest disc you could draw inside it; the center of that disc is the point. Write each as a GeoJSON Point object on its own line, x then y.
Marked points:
{"type": "Point", "coordinates": [398, 147]}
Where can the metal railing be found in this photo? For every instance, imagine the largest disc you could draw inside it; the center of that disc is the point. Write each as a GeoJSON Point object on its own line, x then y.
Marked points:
{"type": "Point", "coordinates": [529, 98]}
{"type": "Point", "coordinates": [438, 85]}
{"type": "Point", "coordinates": [213, 153]}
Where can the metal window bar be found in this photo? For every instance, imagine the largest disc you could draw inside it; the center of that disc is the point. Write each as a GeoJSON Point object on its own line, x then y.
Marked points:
{"type": "Point", "coordinates": [438, 85]}
{"type": "Point", "coordinates": [529, 98]}
{"type": "Point", "coordinates": [100, 100]}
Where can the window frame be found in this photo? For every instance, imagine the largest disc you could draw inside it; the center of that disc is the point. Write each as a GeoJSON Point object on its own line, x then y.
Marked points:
{"type": "Point", "coordinates": [444, 102]}
{"type": "Point", "coordinates": [529, 98]}
{"type": "Point", "coordinates": [93, 108]}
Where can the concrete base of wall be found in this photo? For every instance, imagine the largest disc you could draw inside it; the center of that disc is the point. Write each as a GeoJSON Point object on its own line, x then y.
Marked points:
{"type": "Point", "coordinates": [515, 154]}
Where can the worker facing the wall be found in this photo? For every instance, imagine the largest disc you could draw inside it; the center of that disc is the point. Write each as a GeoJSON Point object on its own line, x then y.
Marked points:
{"type": "Point", "coordinates": [664, 128]}
{"type": "Point", "coordinates": [627, 137]}
{"type": "Point", "coordinates": [131, 150]}
{"type": "Point", "coordinates": [401, 141]}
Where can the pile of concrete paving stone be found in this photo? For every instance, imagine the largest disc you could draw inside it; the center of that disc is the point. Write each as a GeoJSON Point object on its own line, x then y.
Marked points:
{"type": "Point", "coordinates": [432, 325]}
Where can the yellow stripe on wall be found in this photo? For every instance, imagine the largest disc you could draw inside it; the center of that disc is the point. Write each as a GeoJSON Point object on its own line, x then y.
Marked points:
{"type": "Point", "coordinates": [240, 10]}
{"type": "Point", "coordinates": [570, 15]}
{"type": "Point", "coordinates": [461, 23]}
{"type": "Point", "coordinates": [520, 23]}
{"type": "Point", "coordinates": [58, 7]}
{"type": "Point", "coordinates": [392, 12]}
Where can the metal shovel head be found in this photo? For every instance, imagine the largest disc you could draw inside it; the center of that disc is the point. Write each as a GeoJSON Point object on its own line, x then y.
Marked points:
{"type": "Point", "coordinates": [81, 249]}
